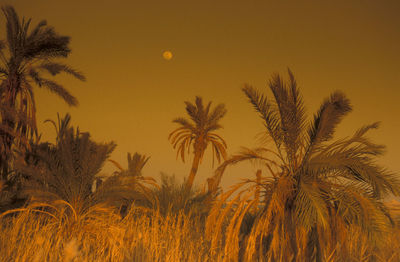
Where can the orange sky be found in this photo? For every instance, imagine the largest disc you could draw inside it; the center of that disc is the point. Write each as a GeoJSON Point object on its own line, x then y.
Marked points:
{"type": "Point", "coordinates": [132, 93]}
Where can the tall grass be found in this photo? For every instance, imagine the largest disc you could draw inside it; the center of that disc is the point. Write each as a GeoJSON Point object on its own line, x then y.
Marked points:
{"type": "Point", "coordinates": [54, 233]}
{"type": "Point", "coordinates": [43, 232]}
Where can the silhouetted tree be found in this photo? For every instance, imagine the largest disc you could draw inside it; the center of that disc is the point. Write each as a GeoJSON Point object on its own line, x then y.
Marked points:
{"type": "Point", "coordinates": [316, 189]}
{"type": "Point", "coordinates": [135, 165]}
{"type": "Point", "coordinates": [130, 185]}
{"type": "Point", "coordinates": [27, 57]}
{"type": "Point", "coordinates": [65, 170]}
{"type": "Point", "coordinates": [199, 133]}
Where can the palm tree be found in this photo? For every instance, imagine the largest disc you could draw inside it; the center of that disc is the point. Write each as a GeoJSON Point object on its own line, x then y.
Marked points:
{"type": "Point", "coordinates": [131, 182]}
{"type": "Point", "coordinates": [65, 170]}
{"type": "Point", "coordinates": [135, 165]}
{"type": "Point", "coordinates": [199, 133]}
{"type": "Point", "coordinates": [317, 189]}
{"type": "Point", "coordinates": [26, 56]}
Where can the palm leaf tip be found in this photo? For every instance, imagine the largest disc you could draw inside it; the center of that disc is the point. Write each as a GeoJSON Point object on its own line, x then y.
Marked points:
{"type": "Point", "coordinates": [329, 116]}
{"type": "Point", "coordinates": [56, 68]}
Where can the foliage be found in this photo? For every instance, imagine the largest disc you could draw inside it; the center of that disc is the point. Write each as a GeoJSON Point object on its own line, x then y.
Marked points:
{"type": "Point", "coordinates": [173, 198]}
{"type": "Point", "coordinates": [321, 200]}
{"type": "Point", "coordinates": [26, 56]}
{"type": "Point", "coordinates": [199, 133]}
{"type": "Point", "coordinates": [129, 184]}
{"type": "Point", "coordinates": [66, 170]}
{"type": "Point", "coordinates": [316, 190]}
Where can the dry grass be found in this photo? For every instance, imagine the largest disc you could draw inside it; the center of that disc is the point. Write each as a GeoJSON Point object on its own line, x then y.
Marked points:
{"type": "Point", "coordinates": [54, 233]}
{"type": "Point", "coordinates": [43, 232]}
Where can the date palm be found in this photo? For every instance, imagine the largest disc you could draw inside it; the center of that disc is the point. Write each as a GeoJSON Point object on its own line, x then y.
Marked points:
{"type": "Point", "coordinates": [199, 133]}
{"type": "Point", "coordinates": [27, 57]}
{"type": "Point", "coordinates": [131, 182]}
{"type": "Point", "coordinates": [317, 189]}
{"type": "Point", "coordinates": [135, 165]}
{"type": "Point", "coordinates": [65, 170]}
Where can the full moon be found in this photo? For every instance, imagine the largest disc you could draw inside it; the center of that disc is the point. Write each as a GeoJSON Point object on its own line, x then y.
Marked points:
{"type": "Point", "coordinates": [167, 55]}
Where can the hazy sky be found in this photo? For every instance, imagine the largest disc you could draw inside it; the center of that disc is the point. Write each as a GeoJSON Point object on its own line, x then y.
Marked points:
{"type": "Point", "coordinates": [132, 94]}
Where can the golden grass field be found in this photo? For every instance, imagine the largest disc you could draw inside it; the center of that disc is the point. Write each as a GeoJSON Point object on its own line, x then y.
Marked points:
{"type": "Point", "coordinates": [100, 234]}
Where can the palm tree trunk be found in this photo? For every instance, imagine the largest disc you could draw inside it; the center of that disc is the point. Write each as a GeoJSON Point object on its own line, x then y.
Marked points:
{"type": "Point", "coordinates": [6, 139]}
{"type": "Point", "coordinates": [258, 189]}
{"type": "Point", "coordinates": [193, 171]}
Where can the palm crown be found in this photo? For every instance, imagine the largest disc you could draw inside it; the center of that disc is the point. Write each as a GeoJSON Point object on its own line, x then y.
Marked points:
{"type": "Point", "coordinates": [26, 56]}
{"type": "Point", "coordinates": [199, 133]}
{"type": "Point", "coordinates": [317, 187]}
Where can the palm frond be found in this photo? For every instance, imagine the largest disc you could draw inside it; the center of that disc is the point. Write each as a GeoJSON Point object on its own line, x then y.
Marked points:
{"type": "Point", "coordinates": [66, 170]}
{"type": "Point", "coordinates": [310, 206]}
{"type": "Point", "coordinates": [56, 68]}
{"type": "Point", "coordinates": [184, 123]}
{"type": "Point", "coordinates": [267, 112]}
{"type": "Point", "coordinates": [320, 191]}
{"type": "Point", "coordinates": [328, 117]}
{"type": "Point", "coordinates": [60, 91]}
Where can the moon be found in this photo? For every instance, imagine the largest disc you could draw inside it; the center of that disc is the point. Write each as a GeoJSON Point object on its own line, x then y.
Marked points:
{"type": "Point", "coordinates": [167, 55]}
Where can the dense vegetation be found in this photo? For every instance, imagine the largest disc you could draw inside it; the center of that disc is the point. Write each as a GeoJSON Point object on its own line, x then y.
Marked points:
{"type": "Point", "coordinates": [313, 198]}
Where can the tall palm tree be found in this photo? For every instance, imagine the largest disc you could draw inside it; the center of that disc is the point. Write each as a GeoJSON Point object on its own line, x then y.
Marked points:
{"type": "Point", "coordinates": [26, 56]}
{"type": "Point", "coordinates": [317, 189]}
{"type": "Point", "coordinates": [199, 133]}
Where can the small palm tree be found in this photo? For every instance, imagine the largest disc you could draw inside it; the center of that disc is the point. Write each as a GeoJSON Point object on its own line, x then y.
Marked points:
{"type": "Point", "coordinates": [173, 198]}
{"type": "Point", "coordinates": [26, 56]}
{"type": "Point", "coordinates": [131, 183]}
{"type": "Point", "coordinates": [317, 189]}
{"type": "Point", "coordinates": [199, 133]}
{"type": "Point", "coordinates": [135, 165]}
{"type": "Point", "coordinates": [66, 170]}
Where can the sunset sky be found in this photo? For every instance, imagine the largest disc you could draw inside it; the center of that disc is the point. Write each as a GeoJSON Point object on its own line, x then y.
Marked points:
{"type": "Point", "coordinates": [132, 93]}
